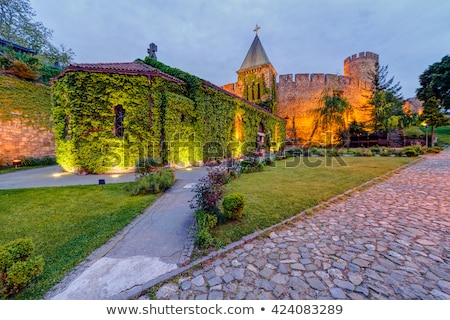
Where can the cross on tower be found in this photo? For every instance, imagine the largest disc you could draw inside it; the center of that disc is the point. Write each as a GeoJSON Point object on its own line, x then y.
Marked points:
{"type": "Point", "coordinates": [256, 29]}
{"type": "Point", "coordinates": [152, 50]}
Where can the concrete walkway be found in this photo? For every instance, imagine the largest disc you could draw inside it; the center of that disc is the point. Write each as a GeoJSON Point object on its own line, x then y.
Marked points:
{"type": "Point", "coordinates": [387, 241]}
{"type": "Point", "coordinates": [156, 242]}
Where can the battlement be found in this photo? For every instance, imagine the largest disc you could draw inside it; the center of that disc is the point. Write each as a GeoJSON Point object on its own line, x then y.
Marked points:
{"type": "Point", "coordinates": [362, 55]}
{"type": "Point", "coordinates": [321, 79]}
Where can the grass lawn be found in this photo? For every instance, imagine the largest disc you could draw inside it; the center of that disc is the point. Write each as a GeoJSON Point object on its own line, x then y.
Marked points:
{"type": "Point", "coordinates": [443, 134]}
{"type": "Point", "coordinates": [281, 192]}
{"type": "Point", "coordinates": [66, 224]}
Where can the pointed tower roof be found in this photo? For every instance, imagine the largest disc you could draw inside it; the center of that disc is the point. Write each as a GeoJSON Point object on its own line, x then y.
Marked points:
{"type": "Point", "coordinates": [256, 55]}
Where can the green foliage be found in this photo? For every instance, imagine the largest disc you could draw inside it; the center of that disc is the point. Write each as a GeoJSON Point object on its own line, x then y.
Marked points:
{"type": "Point", "coordinates": [17, 267]}
{"type": "Point", "coordinates": [251, 164]}
{"type": "Point", "coordinates": [331, 114]}
{"type": "Point", "coordinates": [17, 25]}
{"type": "Point", "coordinates": [180, 123]}
{"type": "Point", "coordinates": [414, 132]}
{"type": "Point", "coordinates": [435, 82]}
{"type": "Point", "coordinates": [84, 121]}
{"type": "Point", "coordinates": [153, 183]}
{"type": "Point", "coordinates": [205, 223]}
{"type": "Point", "coordinates": [146, 166]}
{"type": "Point", "coordinates": [410, 152]}
{"type": "Point", "coordinates": [233, 206]}
{"type": "Point", "coordinates": [385, 152]}
{"type": "Point", "coordinates": [28, 102]}
{"type": "Point", "coordinates": [33, 162]}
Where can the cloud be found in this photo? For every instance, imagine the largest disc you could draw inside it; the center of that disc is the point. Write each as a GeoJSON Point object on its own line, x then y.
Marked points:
{"type": "Point", "coordinates": [210, 38]}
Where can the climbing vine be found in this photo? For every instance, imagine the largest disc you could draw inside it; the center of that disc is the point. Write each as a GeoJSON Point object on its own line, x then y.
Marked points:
{"type": "Point", "coordinates": [26, 101]}
{"type": "Point", "coordinates": [182, 123]}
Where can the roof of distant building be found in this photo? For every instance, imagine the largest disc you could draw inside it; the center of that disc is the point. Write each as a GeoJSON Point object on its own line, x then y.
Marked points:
{"type": "Point", "coordinates": [256, 55]}
{"type": "Point", "coordinates": [16, 47]}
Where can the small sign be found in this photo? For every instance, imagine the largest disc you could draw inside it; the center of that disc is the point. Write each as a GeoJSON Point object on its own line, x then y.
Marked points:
{"type": "Point", "coordinates": [101, 181]}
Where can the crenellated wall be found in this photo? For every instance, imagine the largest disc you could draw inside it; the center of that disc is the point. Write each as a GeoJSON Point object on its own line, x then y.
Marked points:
{"type": "Point", "coordinates": [299, 94]}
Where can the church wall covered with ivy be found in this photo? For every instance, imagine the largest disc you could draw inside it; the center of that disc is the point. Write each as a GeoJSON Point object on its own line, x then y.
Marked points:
{"type": "Point", "coordinates": [108, 116]}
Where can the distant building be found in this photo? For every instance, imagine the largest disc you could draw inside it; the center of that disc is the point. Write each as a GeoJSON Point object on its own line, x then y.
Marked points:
{"type": "Point", "coordinates": [16, 47]}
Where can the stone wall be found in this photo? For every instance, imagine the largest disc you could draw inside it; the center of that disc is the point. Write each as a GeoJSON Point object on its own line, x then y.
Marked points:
{"type": "Point", "coordinates": [299, 95]}
{"type": "Point", "coordinates": [18, 141]}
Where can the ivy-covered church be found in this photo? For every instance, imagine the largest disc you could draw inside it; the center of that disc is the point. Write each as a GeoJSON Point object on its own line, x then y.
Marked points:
{"type": "Point", "coordinates": [109, 115]}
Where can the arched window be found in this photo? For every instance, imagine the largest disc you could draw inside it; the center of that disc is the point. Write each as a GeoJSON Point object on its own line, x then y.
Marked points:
{"type": "Point", "coordinates": [119, 112]}
{"type": "Point", "coordinates": [238, 128]}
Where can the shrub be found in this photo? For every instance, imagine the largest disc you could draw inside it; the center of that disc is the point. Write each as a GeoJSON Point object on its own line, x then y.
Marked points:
{"type": "Point", "coordinates": [205, 223]}
{"type": "Point", "coordinates": [434, 150]}
{"type": "Point", "coordinates": [23, 71]}
{"type": "Point", "coordinates": [410, 152]}
{"type": "Point", "coordinates": [209, 190]}
{"type": "Point", "coordinates": [251, 164]}
{"type": "Point", "coordinates": [313, 150]}
{"type": "Point", "coordinates": [32, 162]}
{"type": "Point", "coordinates": [385, 152]}
{"type": "Point", "coordinates": [294, 152]}
{"type": "Point", "coordinates": [375, 149]}
{"type": "Point", "coordinates": [333, 153]}
{"type": "Point", "coordinates": [233, 206]}
{"type": "Point", "coordinates": [145, 166]}
{"type": "Point", "coordinates": [17, 269]}
{"type": "Point", "coordinates": [155, 182]}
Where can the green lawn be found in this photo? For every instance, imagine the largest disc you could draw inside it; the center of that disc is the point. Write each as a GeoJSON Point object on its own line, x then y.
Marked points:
{"type": "Point", "coordinates": [281, 192]}
{"type": "Point", "coordinates": [66, 224]}
{"type": "Point", "coordinates": [443, 134]}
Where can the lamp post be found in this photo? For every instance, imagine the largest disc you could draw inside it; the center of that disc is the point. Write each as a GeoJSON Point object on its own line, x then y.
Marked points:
{"type": "Point", "coordinates": [426, 134]}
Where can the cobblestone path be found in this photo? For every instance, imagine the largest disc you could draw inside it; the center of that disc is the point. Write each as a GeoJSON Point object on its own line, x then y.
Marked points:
{"type": "Point", "coordinates": [388, 241]}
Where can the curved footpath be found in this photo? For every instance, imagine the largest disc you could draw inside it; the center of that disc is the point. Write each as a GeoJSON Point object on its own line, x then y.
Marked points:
{"type": "Point", "coordinates": [387, 241]}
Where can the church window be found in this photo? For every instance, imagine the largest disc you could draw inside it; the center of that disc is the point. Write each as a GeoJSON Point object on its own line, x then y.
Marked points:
{"type": "Point", "coordinates": [119, 112]}
{"type": "Point", "coordinates": [258, 95]}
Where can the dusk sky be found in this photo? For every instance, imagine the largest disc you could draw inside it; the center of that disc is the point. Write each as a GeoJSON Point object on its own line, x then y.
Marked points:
{"type": "Point", "coordinates": [210, 38]}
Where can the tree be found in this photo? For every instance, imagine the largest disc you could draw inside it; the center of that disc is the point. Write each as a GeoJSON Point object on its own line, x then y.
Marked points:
{"type": "Point", "coordinates": [435, 82]}
{"type": "Point", "coordinates": [332, 115]}
{"type": "Point", "coordinates": [386, 101]}
{"type": "Point", "coordinates": [381, 82]}
{"type": "Point", "coordinates": [433, 116]}
{"type": "Point", "coordinates": [17, 26]}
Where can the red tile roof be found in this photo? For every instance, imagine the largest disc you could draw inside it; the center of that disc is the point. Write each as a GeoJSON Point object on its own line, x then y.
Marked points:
{"type": "Point", "coordinates": [130, 68]}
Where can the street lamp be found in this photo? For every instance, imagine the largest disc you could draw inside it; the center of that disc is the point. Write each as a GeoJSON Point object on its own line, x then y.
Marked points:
{"type": "Point", "coordinates": [426, 133]}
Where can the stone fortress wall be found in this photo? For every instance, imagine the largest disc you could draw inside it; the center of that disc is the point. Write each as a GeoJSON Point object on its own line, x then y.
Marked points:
{"type": "Point", "coordinates": [299, 95]}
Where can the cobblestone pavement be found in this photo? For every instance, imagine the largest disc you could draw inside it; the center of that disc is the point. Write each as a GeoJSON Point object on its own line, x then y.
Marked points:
{"type": "Point", "coordinates": [388, 241]}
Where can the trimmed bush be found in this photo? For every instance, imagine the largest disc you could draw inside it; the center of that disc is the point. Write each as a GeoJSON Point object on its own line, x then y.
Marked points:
{"type": "Point", "coordinates": [17, 269]}
{"type": "Point", "coordinates": [251, 164]}
{"type": "Point", "coordinates": [155, 182]}
{"type": "Point", "coordinates": [145, 166]}
{"type": "Point", "coordinates": [233, 206]}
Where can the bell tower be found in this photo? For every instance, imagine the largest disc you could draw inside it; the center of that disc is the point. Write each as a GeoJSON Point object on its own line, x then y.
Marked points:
{"type": "Point", "coordinates": [257, 77]}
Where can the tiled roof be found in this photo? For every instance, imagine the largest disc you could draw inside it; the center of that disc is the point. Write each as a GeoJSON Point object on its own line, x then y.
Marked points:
{"type": "Point", "coordinates": [256, 55]}
{"type": "Point", "coordinates": [16, 47]}
{"type": "Point", "coordinates": [131, 68]}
